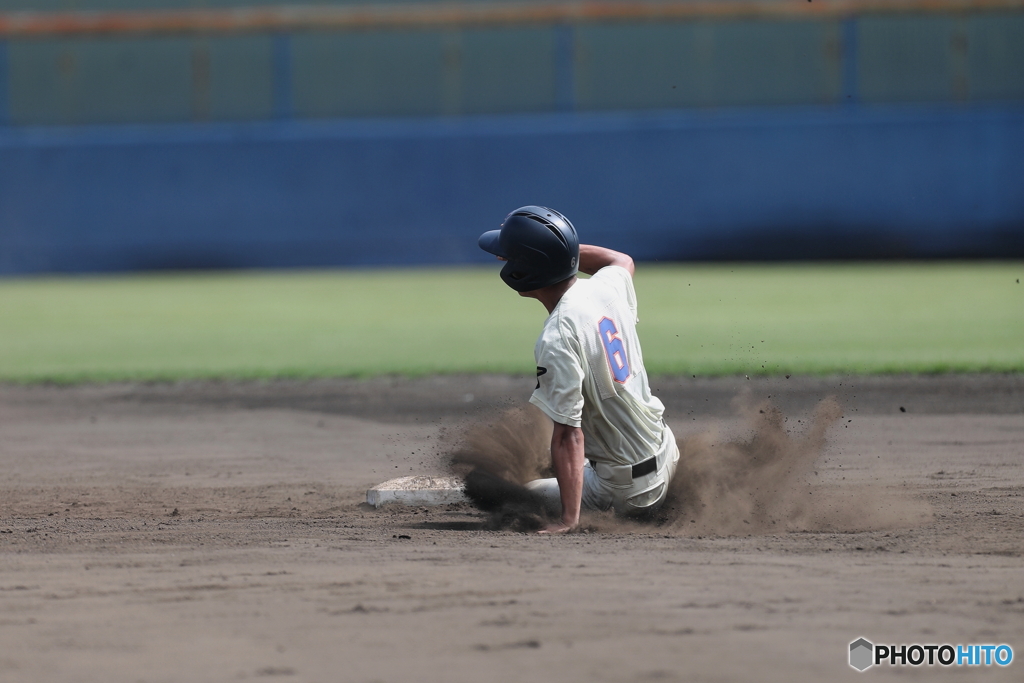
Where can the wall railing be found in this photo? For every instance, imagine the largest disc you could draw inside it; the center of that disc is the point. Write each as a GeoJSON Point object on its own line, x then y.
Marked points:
{"type": "Point", "coordinates": [30, 24]}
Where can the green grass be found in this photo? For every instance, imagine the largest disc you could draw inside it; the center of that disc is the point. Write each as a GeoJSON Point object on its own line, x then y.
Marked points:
{"type": "Point", "coordinates": [703, 320]}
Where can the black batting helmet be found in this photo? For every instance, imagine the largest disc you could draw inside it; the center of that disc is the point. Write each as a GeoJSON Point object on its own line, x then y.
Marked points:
{"type": "Point", "coordinates": [540, 245]}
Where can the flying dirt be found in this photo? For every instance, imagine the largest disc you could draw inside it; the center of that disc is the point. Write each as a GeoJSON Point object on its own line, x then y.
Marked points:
{"type": "Point", "coordinates": [763, 483]}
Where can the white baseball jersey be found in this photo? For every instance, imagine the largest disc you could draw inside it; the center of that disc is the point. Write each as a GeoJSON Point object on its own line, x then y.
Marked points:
{"type": "Point", "coordinates": [590, 371]}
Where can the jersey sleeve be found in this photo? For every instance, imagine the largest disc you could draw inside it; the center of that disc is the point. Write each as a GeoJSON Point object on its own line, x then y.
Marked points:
{"type": "Point", "coordinates": [619, 279]}
{"type": "Point", "coordinates": [559, 392]}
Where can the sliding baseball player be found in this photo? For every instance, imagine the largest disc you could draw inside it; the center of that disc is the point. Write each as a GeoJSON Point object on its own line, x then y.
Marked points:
{"type": "Point", "coordinates": [610, 447]}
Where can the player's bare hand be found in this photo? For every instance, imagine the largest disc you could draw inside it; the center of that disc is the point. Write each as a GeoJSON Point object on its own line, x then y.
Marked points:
{"type": "Point", "coordinates": [555, 528]}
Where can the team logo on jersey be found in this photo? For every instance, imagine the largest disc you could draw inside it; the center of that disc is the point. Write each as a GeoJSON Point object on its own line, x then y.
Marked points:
{"type": "Point", "coordinates": [540, 371]}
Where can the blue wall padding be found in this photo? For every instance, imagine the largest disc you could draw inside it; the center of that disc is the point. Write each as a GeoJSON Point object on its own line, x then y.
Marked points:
{"type": "Point", "coordinates": [842, 182]}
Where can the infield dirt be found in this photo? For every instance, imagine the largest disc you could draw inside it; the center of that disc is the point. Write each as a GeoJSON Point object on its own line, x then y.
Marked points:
{"type": "Point", "coordinates": [214, 531]}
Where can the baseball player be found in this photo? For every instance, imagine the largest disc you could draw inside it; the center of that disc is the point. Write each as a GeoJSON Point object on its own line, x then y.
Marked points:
{"type": "Point", "coordinates": [610, 447]}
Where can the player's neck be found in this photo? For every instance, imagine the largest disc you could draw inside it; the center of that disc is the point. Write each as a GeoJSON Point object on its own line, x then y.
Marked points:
{"type": "Point", "coordinates": [550, 296]}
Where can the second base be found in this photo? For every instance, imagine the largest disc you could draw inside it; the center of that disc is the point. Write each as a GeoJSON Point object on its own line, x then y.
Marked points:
{"type": "Point", "coordinates": [417, 490]}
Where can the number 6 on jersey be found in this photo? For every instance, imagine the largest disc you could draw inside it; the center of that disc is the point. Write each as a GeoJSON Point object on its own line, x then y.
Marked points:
{"type": "Point", "coordinates": [614, 349]}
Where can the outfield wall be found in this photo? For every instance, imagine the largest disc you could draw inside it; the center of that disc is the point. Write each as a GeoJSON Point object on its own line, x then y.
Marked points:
{"type": "Point", "coordinates": [139, 134]}
{"type": "Point", "coordinates": [775, 184]}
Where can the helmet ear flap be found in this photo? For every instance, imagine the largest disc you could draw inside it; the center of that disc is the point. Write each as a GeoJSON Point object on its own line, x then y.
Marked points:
{"type": "Point", "coordinates": [512, 271]}
{"type": "Point", "coordinates": [540, 245]}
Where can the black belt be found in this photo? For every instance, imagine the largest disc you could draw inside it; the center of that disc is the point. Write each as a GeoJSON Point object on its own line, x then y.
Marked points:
{"type": "Point", "coordinates": [645, 467]}
{"type": "Point", "coordinates": [639, 469]}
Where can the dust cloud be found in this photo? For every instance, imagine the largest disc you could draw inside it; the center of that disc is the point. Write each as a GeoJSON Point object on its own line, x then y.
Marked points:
{"type": "Point", "coordinates": [496, 460]}
{"type": "Point", "coordinates": [761, 484]}
{"type": "Point", "coordinates": [766, 483]}
{"type": "Point", "coordinates": [516, 447]}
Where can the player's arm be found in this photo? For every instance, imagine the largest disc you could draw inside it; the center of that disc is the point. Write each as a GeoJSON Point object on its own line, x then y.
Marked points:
{"type": "Point", "coordinates": [567, 460]}
{"type": "Point", "coordinates": [593, 259]}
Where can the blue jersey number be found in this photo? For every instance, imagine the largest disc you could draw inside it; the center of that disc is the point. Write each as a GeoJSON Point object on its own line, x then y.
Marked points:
{"type": "Point", "coordinates": [614, 349]}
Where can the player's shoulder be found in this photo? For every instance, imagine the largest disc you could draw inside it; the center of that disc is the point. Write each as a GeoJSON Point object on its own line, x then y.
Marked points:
{"type": "Point", "coordinates": [617, 278]}
{"type": "Point", "coordinates": [612, 273]}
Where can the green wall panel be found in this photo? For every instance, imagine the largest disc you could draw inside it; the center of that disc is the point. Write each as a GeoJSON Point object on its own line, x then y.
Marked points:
{"type": "Point", "coordinates": [240, 78]}
{"type": "Point", "coordinates": [100, 81]}
{"type": "Point", "coordinates": [465, 71]}
{"type": "Point", "coordinates": [995, 48]}
{"type": "Point", "coordinates": [395, 73]}
{"type": "Point", "coordinates": [906, 59]}
{"type": "Point", "coordinates": [706, 64]}
{"type": "Point", "coordinates": [508, 70]}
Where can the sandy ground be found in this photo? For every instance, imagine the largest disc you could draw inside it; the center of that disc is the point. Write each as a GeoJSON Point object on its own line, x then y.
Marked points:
{"type": "Point", "coordinates": [213, 531]}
